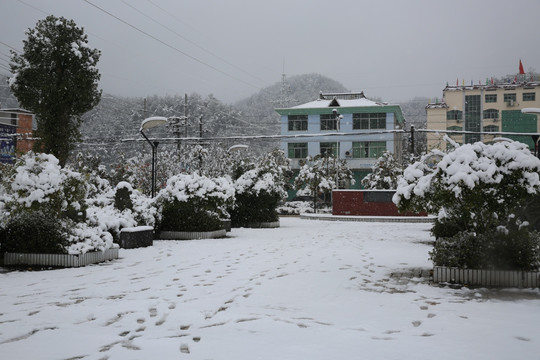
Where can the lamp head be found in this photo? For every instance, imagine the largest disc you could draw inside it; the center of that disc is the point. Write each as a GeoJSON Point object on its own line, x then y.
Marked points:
{"type": "Point", "coordinates": [153, 122]}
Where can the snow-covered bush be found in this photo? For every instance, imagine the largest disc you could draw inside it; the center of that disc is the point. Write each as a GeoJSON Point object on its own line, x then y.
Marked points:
{"type": "Point", "coordinates": [473, 189]}
{"type": "Point", "coordinates": [39, 183]}
{"type": "Point", "coordinates": [118, 208]}
{"type": "Point", "coordinates": [46, 234]}
{"type": "Point", "coordinates": [193, 203]}
{"type": "Point", "coordinates": [39, 188]}
{"type": "Point", "coordinates": [508, 247]}
{"type": "Point", "coordinates": [259, 190]}
{"type": "Point", "coordinates": [384, 173]}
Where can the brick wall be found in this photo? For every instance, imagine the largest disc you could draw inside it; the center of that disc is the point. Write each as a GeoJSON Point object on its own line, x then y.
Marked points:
{"type": "Point", "coordinates": [24, 144]}
{"type": "Point", "coordinates": [366, 203]}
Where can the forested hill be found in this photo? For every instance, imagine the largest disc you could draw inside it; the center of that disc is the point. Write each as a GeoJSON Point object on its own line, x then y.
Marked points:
{"type": "Point", "coordinates": [118, 118]}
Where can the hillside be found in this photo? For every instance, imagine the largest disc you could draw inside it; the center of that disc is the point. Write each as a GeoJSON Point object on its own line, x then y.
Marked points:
{"type": "Point", "coordinates": [118, 118]}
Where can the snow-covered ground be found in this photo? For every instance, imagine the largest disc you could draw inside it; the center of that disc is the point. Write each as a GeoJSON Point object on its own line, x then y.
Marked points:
{"type": "Point", "coordinates": [308, 290]}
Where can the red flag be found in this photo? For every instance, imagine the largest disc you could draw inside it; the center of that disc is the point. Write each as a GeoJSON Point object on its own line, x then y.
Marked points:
{"type": "Point", "coordinates": [521, 71]}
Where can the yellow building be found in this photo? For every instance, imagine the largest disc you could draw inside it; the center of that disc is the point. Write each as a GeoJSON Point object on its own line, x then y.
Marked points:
{"type": "Point", "coordinates": [478, 110]}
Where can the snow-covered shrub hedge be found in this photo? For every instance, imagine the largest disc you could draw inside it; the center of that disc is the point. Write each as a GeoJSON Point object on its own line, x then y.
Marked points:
{"type": "Point", "coordinates": [193, 203]}
{"type": "Point", "coordinates": [38, 183]}
{"type": "Point", "coordinates": [38, 186]}
{"type": "Point", "coordinates": [474, 190]}
{"type": "Point", "coordinates": [259, 189]}
{"type": "Point", "coordinates": [510, 247]}
{"type": "Point", "coordinates": [120, 207]}
{"type": "Point", "coordinates": [33, 232]}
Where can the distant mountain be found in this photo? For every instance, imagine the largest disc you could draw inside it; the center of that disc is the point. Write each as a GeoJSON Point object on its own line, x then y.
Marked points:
{"type": "Point", "coordinates": [260, 107]}
{"type": "Point", "coordinates": [118, 118]}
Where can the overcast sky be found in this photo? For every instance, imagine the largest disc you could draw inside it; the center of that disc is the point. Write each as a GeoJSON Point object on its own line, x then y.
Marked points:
{"type": "Point", "coordinates": [394, 49]}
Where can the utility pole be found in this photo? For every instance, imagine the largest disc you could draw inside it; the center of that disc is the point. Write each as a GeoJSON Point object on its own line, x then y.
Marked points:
{"type": "Point", "coordinates": [412, 140]}
{"type": "Point", "coordinates": [144, 111]}
{"type": "Point", "coordinates": [186, 115]}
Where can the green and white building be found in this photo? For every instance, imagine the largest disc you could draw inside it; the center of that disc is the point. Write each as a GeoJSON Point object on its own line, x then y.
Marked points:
{"type": "Point", "coordinates": [366, 128]}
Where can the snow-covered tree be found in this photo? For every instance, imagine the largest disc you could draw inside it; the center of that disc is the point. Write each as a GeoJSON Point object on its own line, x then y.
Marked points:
{"type": "Point", "coordinates": [476, 190]}
{"type": "Point", "coordinates": [384, 174]}
{"type": "Point", "coordinates": [56, 78]}
{"type": "Point", "coordinates": [315, 177]}
{"type": "Point", "coordinates": [259, 188]}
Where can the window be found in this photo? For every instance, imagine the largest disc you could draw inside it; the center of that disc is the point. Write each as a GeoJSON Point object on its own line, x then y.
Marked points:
{"type": "Point", "coordinates": [491, 114]}
{"type": "Point", "coordinates": [369, 149]}
{"type": "Point", "coordinates": [509, 97]}
{"type": "Point", "coordinates": [13, 119]}
{"type": "Point", "coordinates": [491, 98]}
{"type": "Point", "coordinates": [298, 150]}
{"type": "Point", "coordinates": [455, 128]}
{"type": "Point", "coordinates": [454, 115]}
{"type": "Point", "coordinates": [472, 117]}
{"type": "Point", "coordinates": [529, 96]}
{"type": "Point", "coordinates": [298, 122]}
{"type": "Point", "coordinates": [491, 128]}
{"type": "Point", "coordinates": [369, 121]}
{"type": "Point", "coordinates": [328, 149]}
{"type": "Point", "coordinates": [328, 122]}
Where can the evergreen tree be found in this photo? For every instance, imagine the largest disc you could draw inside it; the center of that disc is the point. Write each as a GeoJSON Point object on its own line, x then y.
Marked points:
{"type": "Point", "coordinates": [315, 177]}
{"type": "Point", "coordinates": [384, 174]}
{"type": "Point", "coordinates": [56, 78]}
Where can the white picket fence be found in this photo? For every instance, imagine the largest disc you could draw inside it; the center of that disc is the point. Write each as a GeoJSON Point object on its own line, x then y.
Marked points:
{"type": "Point", "coordinates": [487, 278]}
{"type": "Point", "coordinates": [60, 260]}
{"type": "Point", "coordinates": [192, 235]}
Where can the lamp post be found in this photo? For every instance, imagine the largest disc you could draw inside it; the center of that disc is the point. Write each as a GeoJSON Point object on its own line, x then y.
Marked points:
{"type": "Point", "coordinates": [337, 118]}
{"type": "Point", "coordinates": [534, 111]}
{"type": "Point", "coordinates": [147, 124]}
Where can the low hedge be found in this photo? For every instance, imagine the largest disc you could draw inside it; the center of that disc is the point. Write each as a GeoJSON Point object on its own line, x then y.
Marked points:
{"type": "Point", "coordinates": [33, 232]}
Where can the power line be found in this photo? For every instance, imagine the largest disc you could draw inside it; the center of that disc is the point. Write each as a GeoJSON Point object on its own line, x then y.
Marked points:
{"type": "Point", "coordinates": [193, 43]}
{"type": "Point", "coordinates": [9, 46]}
{"type": "Point", "coordinates": [170, 46]}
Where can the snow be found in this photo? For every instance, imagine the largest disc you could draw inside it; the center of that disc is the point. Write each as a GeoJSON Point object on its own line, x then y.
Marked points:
{"type": "Point", "coordinates": [137, 228]}
{"type": "Point", "coordinates": [325, 103]}
{"type": "Point", "coordinates": [308, 290]}
{"type": "Point", "coordinates": [470, 165]}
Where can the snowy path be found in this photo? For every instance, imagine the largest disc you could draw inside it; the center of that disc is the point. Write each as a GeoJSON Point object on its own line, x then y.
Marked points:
{"type": "Point", "coordinates": [308, 290]}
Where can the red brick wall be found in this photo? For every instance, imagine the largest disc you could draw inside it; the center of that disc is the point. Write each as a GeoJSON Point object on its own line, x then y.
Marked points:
{"type": "Point", "coordinates": [352, 202]}
{"type": "Point", "coordinates": [25, 128]}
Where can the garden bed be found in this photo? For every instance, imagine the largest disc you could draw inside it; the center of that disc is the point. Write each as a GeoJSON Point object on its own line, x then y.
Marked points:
{"type": "Point", "coordinates": [59, 260]}
{"type": "Point", "coordinates": [486, 278]}
{"type": "Point", "coordinates": [192, 235]}
{"type": "Point", "coordinates": [263, 225]}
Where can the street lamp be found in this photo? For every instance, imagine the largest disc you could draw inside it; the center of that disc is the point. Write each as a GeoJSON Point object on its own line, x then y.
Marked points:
{"type": "Point", "coordinates": [535, 111]}
{"type": "Point", "coordinates": [337, 118]}
{"type": "Point", "coordinates": [147, 124]}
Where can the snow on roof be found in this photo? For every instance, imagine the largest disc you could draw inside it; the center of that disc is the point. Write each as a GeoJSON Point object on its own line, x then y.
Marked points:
{"type": "Point", "coordinates": [325, 103]}
{"type": "Point", "coordinates": [441, 105]}
{"type": "Point", "coordinates": [16, 110]}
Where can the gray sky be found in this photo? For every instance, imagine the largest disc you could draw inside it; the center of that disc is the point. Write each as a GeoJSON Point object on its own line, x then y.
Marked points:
{"type": "Point", "coordinates": [391, 49]}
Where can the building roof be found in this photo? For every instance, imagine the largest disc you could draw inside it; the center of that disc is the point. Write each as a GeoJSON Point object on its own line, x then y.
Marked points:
{"type": "Point", "coordinates": [16, 110]}
{"type": "Point", "coordinates": [331, 100]}
{"type": "Point", "coordinates": [438, 105]}
{"type": "Point", "coordinates": [512, 85]}
{"type": "Point", "coordinates": [348, 102]}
